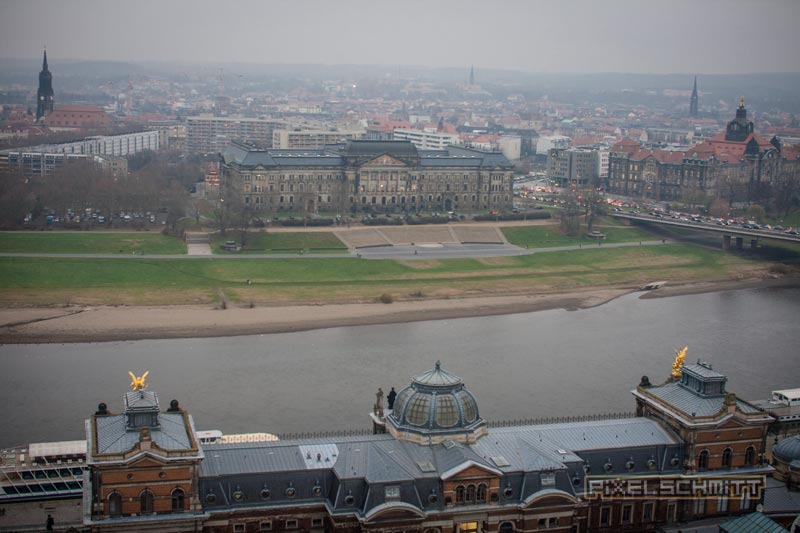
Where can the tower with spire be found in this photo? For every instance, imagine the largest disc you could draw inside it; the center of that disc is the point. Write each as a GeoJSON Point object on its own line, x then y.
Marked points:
{"type": "Point", "coordinates": [44, 96]}
{"type": "Point", "coordinates": [472, 75]}
{"type": "Point", "coordinates": [693, 102]}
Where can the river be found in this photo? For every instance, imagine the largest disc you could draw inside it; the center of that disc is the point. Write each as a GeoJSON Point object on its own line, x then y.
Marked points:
{"type": "Point", "coordinates": [547, 363]}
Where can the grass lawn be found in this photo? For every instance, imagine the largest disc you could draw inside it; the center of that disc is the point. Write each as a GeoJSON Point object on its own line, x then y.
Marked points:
{"type": "Point", "coordinates": [289, 242]}
{"type": "Point", "coordinates": [40, 281]}
{"type": "Point", "coordinates": [112, 242]}
{"type": "Point", "coordinates": [548, 236]}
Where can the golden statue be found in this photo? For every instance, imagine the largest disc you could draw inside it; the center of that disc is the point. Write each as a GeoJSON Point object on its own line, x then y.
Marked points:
{"type": "Point", "coordinates": [680, 357]}
{"type": "Point", "coordinates": [138, 383]}
{"type": "Point", "coordinates": [741, 102]}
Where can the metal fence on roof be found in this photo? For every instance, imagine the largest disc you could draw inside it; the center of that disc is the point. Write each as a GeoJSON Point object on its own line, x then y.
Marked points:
{"type": "Point", "coordinates": [558, 420]}
{"type": "Point", "coordinates": [359, 432]}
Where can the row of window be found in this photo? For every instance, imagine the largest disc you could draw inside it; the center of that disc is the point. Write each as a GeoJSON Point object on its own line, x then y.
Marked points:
{"type": "Point", "coordinates": [146, 499]}
{"type": "Point", "coordinates": [727, 458]}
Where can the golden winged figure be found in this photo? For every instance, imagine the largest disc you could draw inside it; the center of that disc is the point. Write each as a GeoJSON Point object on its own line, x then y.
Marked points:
{"type": "Point", "coordinates": [680, 357]}
{"type": "Point", "coordinates": [138, 383]}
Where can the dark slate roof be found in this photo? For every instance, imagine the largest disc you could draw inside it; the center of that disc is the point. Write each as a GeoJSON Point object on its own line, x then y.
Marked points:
{"type": "Point", "coordinates": [114, 437]}
{"type": "Point", "coordinates": [778, 499]}
{"type": "Point", "coordinates": [751, 523]}
{"type": "Point", "coordinates": [401, 149]}
{"type": "Point", "coordinates": [692, 404]}
{"type": "Point", "coordinates": [703, 371]}
{"type": "Point", "coordinates": [141, 400]}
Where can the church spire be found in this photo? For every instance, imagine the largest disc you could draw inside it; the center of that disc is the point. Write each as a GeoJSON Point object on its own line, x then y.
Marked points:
{"type": "Point", "coordinates": [472, 75]}
{"type": "Point", "coordinates": [693, 102]}
{"type": "Point", "coordinates": [44, 96]}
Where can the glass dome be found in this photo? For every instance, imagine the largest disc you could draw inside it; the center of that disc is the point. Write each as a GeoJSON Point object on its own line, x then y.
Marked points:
{"type": "Point", "coordinates": [436, 402]}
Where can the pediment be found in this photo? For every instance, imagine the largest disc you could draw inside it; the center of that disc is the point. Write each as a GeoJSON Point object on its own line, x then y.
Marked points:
{"type": "Point", "coordinates": [147, 461]}
{"type": "Point", "coordinates": [384, 160]}
{"type": "Point", "coordinates": [470, 470]}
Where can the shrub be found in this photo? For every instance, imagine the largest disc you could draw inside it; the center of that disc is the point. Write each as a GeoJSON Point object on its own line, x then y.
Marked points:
{"type": "Point", "coordinates": [311, 222]}
{"type": "Point", "coordinates": [382, 221]}
{"type": "Point", "coordinates": [385, 298]}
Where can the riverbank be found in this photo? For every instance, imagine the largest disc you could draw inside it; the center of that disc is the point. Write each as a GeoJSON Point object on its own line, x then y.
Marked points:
{"type": "Point", "coordinates": [116, 323]}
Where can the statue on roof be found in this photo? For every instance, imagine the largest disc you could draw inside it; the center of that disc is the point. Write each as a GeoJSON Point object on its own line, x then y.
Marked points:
{"type": "Point", "coordinates": [680, 357]}
{"type": "Point", "coordinates": [137, 383]}
{"type": "Point", "coordinates": [741, 102]}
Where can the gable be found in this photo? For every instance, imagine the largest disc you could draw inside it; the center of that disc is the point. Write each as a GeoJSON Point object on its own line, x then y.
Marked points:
{"type": "Point", "coordinates": [470, 470]}
{"type": "Point", "coordinates": [384, 160]}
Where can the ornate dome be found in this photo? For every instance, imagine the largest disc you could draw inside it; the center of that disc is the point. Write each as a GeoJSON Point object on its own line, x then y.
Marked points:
{"type": "Point", "coordinates": [788, 449]}
{"type": "Point", "coordinates": [436, 406]}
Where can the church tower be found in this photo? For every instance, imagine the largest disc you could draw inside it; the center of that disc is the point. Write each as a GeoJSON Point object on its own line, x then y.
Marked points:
{"type": "Point", "coordinates": [472, 75]}
{"type": "Point", "coordinates": [693, 101]}
{"type": "Point", "coordinates": [739, 128]}
{"type": "Point", "coordinates": [44, 96]}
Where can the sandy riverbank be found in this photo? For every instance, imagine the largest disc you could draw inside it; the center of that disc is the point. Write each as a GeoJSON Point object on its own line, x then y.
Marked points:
{"type": "Point", "coordinates": [97, 324]}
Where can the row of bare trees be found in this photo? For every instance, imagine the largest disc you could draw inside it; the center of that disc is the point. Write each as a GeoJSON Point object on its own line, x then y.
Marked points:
{"type": "Point", "coordinates": [82, 187]}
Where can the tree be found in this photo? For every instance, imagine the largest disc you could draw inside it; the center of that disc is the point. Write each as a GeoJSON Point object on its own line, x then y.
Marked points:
{"type": "Point", "coordinates": [570, 221]}
{"type": "Point", "coordinates": [756, 212]}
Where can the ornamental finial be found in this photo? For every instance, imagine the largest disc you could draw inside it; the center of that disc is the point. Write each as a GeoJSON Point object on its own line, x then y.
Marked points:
{"type": "Point", "coordinates": [438, 365]}
{"type": "Point", "coordinates": [680, 357]}
{"type": "Point", "coordinates": [137, 383]}
{"type": "Point", "coordinates": [741, 102]}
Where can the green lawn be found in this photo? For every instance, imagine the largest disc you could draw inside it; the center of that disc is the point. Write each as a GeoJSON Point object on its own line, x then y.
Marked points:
{"type": "Point", "coordinates": [549, 236]}
{"type": "Point", "coordinates": [57, 242]}
{"type": "Point", "coordinates": [290, 242]}
{"type": "Point", "coordinates": [28, 281]}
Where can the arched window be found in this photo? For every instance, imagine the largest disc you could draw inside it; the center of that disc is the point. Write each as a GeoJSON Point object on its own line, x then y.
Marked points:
{"type": "Point", "coordinates": [470, 493]}
{"type": "Point", "coordinates": [115, 504]}
{"type": "Point", "coordinates": [146, 502]}
{"type": "Point", "coordinates": [481, 495]}
{"type": "Point", "coordinates": [702, 460]}
{"type": "Point", "coordinates": [460, 494]}
{"type": "Point", "coordinates": [506, 527]}
{"type": "Point", "coordinates": [726, 457]}
{"type": "Point", "coordinates": [750, 456]}
{"type": "Point", "coordinates": [178, 499]}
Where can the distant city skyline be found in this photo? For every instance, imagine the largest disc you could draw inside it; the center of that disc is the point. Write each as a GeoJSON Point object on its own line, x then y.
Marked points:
{"type": "Point", "coordinates": [580, 36]}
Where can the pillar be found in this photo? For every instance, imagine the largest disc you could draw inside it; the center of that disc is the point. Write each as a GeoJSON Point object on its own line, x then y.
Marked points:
{"type": "Point", "coordinates": [739, 243]}
{"type": "Point", "coordinates": [753, 243]}
{"type": "Point", "coordinates": [726, 242]}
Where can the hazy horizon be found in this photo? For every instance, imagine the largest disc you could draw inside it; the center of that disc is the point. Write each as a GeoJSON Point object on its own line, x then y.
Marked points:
{"type": "Point", "coordinates": [571, 37]}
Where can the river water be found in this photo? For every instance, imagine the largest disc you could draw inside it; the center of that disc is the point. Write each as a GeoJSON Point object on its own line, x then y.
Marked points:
{"type": "Point", "coordinates": [541, 364]}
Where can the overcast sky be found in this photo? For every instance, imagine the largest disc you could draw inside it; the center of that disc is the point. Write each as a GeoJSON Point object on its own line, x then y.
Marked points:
{"type": "Point", "coordinates": [645, 36]}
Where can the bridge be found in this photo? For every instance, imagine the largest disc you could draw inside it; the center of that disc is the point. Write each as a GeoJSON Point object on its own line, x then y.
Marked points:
{"type": "Point", "coordinates": [735, 234]}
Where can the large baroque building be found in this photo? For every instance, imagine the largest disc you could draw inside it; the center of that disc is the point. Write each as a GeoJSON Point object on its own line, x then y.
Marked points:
{"type": "Point", "coordinates": [737, 164]}
{"type": "Point", "coordinates": [368, 176]}
{"type": "Point", "coordinates": [433, 465]}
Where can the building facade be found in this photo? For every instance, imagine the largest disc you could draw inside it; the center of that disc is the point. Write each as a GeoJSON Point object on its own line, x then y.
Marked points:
{"type": "Point", "coordinates": [368, 176]}
{"type": "Point", "coordinates": [43, 159]}
{"type": "Point", "coordinates": [737, 164]}
{"type": "Point", "coordinates": [305, 139]}
{"type": "Point", "coordinates": [573, 166]}
{"type": "Point", "coordinates": [426, 140]}
{"type": "Point", "coordinates": [77, 117]}
{"type": "Point", "coordinates": [433, 465]}
{"type": "Point", "coordinates": [209, 134]}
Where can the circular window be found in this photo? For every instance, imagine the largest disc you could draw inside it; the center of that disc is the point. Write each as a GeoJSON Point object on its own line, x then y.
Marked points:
{"type": "Point", "coordinates": [316, 490]}
{"type": "Point", "coordinates": [630, 465]}
{"type": "Point", "coordinates": [162, 475]}
{"type": "Point", "coordinates": [508, 492]}
{"type": "Point", "coordinates": [290, 492]}
{"type": "Point", "coordinates": [433, 498]}
{"type": "Point", "coordinates": [675, 461]}
{"type": "Point", "coordinates": [607, 467]}
{"type": "Point", "coordinates": [651, 464]}
{"type": "Point", "coordinates": [238, 495]}
{"type": "Point", "coordinates": [576, 480]}
{"type": "Point", "coordinates": [130, 476]}
{"type": "Point", "coordinates": [211, 497]}
{"type": "Point", "coordinates": [349, 500]}
{"type": "Point", "coordinates": [587, 468]}
{"type": "Point", "coordinates": [265, 494]}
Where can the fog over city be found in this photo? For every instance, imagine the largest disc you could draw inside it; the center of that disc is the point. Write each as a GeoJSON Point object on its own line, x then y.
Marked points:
{"type": "Point", "coordinates": [681, 36]}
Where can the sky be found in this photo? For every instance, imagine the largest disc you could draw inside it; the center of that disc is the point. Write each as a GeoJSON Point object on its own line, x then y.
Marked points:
{"type": "Point", "coordinates": [553, 36]}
